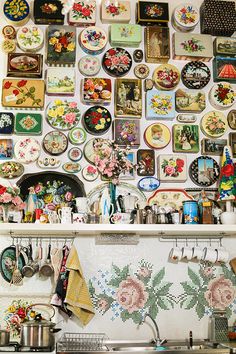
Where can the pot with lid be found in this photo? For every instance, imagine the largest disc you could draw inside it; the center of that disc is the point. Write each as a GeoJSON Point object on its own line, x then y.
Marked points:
{"type": "Point", "coordinates": [38, 333]}
{"type": "Point", "coordinates": [4, 337]}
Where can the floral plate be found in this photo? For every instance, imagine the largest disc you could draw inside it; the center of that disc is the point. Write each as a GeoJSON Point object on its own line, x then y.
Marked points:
{"type": "Point", "coordinates": [117, 62]}
{"type": "Point", "coordinates": [97, 120]}
{"type": "Point", "coordinates": [27, 150]}
{"type": "Point", "coordinates": [214, 124]}
{"type": "Point", "coordinates": [63, 114]}
{"type": "Point", "coordinates": [75, 154]}
{"type": "Point", "coordinates": [11, 169]}
{"type": "Point", "coordinates": [71, 167]}
{"type": "Point", "coordinates": [77, 136]}
{"type": "Point", "coordinates": [90, 173]}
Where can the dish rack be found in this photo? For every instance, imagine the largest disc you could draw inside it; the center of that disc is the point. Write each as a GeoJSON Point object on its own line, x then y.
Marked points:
{"type": "Point", "coordinates": [73, 342]}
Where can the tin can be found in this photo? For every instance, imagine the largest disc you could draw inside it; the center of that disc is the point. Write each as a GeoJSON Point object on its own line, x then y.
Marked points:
{"type": "Point", "coordinates": [190, 208]}
{"type": "Point", "coordinates": [93, 40]}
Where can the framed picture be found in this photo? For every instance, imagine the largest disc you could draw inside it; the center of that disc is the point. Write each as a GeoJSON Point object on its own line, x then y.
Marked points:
{"type": "Point", "coordinates": [172, 168]}
{"type": "Point", "coordinates": [190, 101]}
{"type": "Point", "coordinates": [157, 44]}
{"type": "Point", "coordinates": [126, 132]}
{"type": "Point", "coordinates": [213, 146]}
{"type": "Point", "coordinates": [145, 162]}
{"type": "Point", "coordinates": [131, 173]}
{"type": "Point", "coordinates": [185, 138]}
{"type": "Point", "coordinates": [6, 149]}
{"type": "Point", "coordinates": [232, 142]}
{"type": "Point", "coordinates": [128, 98]}
{"type": "Point", "coordinates": [232, 119]}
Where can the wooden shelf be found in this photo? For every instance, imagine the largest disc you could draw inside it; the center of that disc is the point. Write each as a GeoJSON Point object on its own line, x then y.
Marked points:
{"type": "Point", "coordinates": [62, 230]}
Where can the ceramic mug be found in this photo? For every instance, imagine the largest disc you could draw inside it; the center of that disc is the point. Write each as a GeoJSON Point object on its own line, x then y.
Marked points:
{"type": "Point", "coordinates": [175, 254]}
{"type": "Point", "coordinates": [81, 204]}
{"type": "Point", "coordinates": [65, 215]}
{"type": "Point", "coordinates": [187, 253]}
{"type": "Point", "coordinates": [121, 218]}
{"type": "Point", "coordinates": [209, 255]}
{"type": "Point", "coordinates": [197, 253]}
{"type": "Point", "coordinates": [222, 255]}
{"type": "Point", "coordinates": [80, 218]}
{"type": "Point", "coordinates": [175, 218]}
{"type": "Point", "coordinates": [53, 217]}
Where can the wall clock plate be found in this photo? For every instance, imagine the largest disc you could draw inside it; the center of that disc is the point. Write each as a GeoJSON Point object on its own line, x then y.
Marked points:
{"type": "Point", "coordinates": [117, 62]}
{"type": "Point", "coordinates": [97, 120]}
{"type": "Point", "coordinates": [27, 150]}
{"type": "Point", "coordinates": [204, 171]}
{"type": "Point", "coordinates": [55, 143]}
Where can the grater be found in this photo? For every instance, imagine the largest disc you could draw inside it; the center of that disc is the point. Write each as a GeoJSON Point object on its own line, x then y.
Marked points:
{"type": "Point", "coordinates": [218, 327]}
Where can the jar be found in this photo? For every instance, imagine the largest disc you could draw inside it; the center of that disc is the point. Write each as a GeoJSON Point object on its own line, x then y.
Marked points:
{"type": "Point", "coordinates": [190, 211]}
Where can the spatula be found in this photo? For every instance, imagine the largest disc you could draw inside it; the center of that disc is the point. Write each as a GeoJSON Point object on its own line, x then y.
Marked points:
{"type": "Point", "coordinates": [16, 275]}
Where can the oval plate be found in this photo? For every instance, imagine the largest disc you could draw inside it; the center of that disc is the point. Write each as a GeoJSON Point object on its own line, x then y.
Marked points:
{"type": "Point", "coordinates": [148, 184]}
{"type": "Point", "coordinates": [71, 167]}
{"type": "Point", "coordinates": [48, 162]}
{"type": "Point", "coordinates": [11, 169]}
{"type": "Point", "coordinates": [7, 262]}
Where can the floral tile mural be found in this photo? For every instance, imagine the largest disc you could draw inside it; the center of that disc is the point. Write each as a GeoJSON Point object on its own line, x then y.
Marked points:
{"type": "Point", "coordinates": [129, 292]}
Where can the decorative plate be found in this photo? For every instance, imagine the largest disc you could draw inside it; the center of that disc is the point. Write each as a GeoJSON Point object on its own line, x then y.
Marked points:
{"type": "Point", "coordinates": [214, 124]}
{"type": "Point", "coordinates": [89, 149]}
{"type": "Point", "coordinates": [93, 40]}
{"type": "Point", "coordinates": [97, 120]}
{"type": "Point", "coordinates": [27, 150]}
{"type": "Point", "coordinates": [122, 189]}
{"type": "Point", "coordinates": [141, 71]}
{"type": "Point", "coordinates": [222, 95]}
{"type": "Point", "coordinates": [169, 197]}
{"type": "Point", "coordinates": [55, 143]}
{"type": "Point", "coordinates": [75, 154]}
{"type": "Point", "coordinates": [77, 136]}
{"type": "Point", "coordinates": [48, 162]}
{"type": "Point", "coordinates": [11, 169]}
{"type": "Point", "coordinates": [117, 62]}
{"type": "Point", "coordinates": [28, 124]}
{"type": "Point", "coordinates": [157, 136]}
{"type": "Point", "coordinates": [89, 65]}
{"type": "Point", "coordinates": [148, 184]}
{"type": "Point", "coordinates": [71, 167]}
{"type": "Point", "coordinates": [166, 77]}
{"type": "Point", "coordinates": [8, 261]}
{"type": "Point", "coordinates": [231, 117]}
{"type": "Point", "coordinates": [195, 75]}
{"type": "Point", "coordinates": [204, 171]}
{"type": "Point", "coordinates": [63, 114]}
{"type": "Point", "coordinates": [90, 173]}
{"type": "Point", "coordinates": [30, 38]}
{"type": "Point", "coordinates": [6, 123]}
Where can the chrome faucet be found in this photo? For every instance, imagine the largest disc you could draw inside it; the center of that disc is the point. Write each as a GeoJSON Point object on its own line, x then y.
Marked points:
{"type": "Point", "coordinates": [157, 340]}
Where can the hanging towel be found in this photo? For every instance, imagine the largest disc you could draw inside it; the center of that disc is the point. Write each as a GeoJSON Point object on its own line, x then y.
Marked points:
{"type": "Point", "coordinates": [77, 295]}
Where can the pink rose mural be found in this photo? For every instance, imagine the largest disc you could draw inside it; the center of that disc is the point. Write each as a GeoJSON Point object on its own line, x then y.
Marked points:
{"type": "Point", "coordinates": [220, 293]}
{"type": "Point", "coordinates": [131, 294]}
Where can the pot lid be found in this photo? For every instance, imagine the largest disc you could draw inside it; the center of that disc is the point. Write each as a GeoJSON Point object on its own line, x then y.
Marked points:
{"type": "Point", "coordinates": [42, 323]}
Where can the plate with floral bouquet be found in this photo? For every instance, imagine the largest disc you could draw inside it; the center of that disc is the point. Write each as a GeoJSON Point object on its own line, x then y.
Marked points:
{"type": "Point", "coordinates": [97, 120]}
{"type": "Point", "coordinates": [117, 62]}
{"type": "Point", "coordinates": [63, 114]}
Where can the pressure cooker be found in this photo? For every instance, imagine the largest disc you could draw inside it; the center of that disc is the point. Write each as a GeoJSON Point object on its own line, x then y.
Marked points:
{"type": "Point", "coordinates": [38, 333]}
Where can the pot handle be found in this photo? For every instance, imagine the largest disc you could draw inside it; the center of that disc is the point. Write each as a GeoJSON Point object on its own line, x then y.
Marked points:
{"type": "Point", "coordinates": [41, 304]}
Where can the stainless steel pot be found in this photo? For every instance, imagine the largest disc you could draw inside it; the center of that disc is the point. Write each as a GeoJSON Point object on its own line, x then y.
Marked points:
{"type": "Point", "coordinates": [38, 333]}
{"type": "Point", "coordinates": [4, 337]}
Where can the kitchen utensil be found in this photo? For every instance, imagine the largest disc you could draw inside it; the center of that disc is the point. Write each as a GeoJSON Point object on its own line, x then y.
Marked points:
{"type": "Point", "coordinates": [4, 337]}
{"type": "Point", "coordinates": [31, 267]}
{"type": "Point", "coordinates": [16, 275]}
{"type": "Point", "coordinates": [38, 333]}
{"type": "Point", "coordinates": [175, 253]}
{"type": "Point", "coordinates": [47, 269]}
{"type": "Point", "coordinates": [8, 260]}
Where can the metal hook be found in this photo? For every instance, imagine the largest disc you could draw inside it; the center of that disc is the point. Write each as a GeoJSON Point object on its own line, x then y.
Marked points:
{"type": "Point", "coordinates": [197, 242]}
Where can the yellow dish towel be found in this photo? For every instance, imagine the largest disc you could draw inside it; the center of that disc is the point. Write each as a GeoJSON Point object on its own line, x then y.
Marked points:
{"type": "Point", "coordinates": [77, 295]}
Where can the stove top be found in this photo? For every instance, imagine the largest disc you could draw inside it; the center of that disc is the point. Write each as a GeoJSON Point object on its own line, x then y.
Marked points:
{"type": "Point", "coordinates": [16, 347]}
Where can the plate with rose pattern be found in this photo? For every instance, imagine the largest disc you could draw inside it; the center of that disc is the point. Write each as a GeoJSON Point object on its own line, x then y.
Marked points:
{"type": "Point", "coordinates": [117, 62]}
{"type": "Point", "coordinates": [63, 114]}
{"type": "Point", "coordinates": [27, 150]}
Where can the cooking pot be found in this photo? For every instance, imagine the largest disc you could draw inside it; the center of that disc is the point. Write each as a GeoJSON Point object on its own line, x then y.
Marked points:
{"type": "Point", "coordinates": [38, 333]}
{"type": "Point", "coordinates": [4, 337]}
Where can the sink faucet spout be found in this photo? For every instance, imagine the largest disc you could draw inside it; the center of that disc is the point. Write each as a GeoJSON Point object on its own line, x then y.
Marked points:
{"type": "Point", "coordinates": [157, 338]}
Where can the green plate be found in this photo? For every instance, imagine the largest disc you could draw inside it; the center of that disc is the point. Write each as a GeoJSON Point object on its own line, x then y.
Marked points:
{"type": "Point", "coordinates": [7, 262]}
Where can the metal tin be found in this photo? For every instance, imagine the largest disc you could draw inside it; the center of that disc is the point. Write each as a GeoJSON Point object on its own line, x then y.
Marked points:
{"type": "Point", "coordinates": [48, 12]}
{"type": "Point", "coordinates": [148, 84]}
{"type": "Point", "coordinates": [24, 65]}
{"type": "Point", "coordinates": [214, 124]}
{"type": "Point", "coordinates": [222, 96]}
{"type": "Point", "coordinates": [224, 69]}
{"type": "Point", "coordinates": [172, 168]}
{"type": "Point", "coordinates": [157, 44]}
{"type": "Point", "coordinates": [82, 13]}
{"type": "Point", "coordinates": [148, 184]}
{"type": "Point", "coordinates": [190, 101]}
{"type": "Point", "coordinates": [17, 13]}
{"type": "Point", "coordinates": [160, 104]}
{"type": "Point", "coordinates": [9, 32]}
{"type": "Point", "coordinates": [117, 62]}
{"type": "Point", "coordinates": [90, 173]}
{"type": "Point", "coordinates": [186, 118]}
{"type": "Point", "coordinates": [141, 71]}
{"type": "Point", "coordinates": [190, 212]}
{"type": "Point", "coordinates": [89, 65]}
{"type": "Point", "coordinates": [204, 171]}
{"type": "Point", "coordinates": [75, 154]}
{"type": "Point", "coordinates": [93, 40]}
{"type": "Point", "coordinates": [8, 45]}
{"type": "Point", "coordinates": [63, 114]}
{"type": "Point", "coordinates": [28, 124]}
{"type": "Point", "coordinates": [225, 46]}
{"type": "Point", "coordinates": [96, 90]}
{"type": "Point", "coordinates": [77, 136]}
{"type": "Point", "coordinates": [55, 143]}
{"type": "Point", "coordinates": [11, 169]}
{"type": "Point", "coordinates": [27, 150]}
{"type": "Point", "coordinates": [152, 13]}
{"type": "Point", "coordinates": [125, 35]}
{"type": "Point", "coordinates": [30, 38]}
{"type": "Point", "coordinates": [60, 82]}
{"type": "Point", "coordinates": [231, 117]}
{"type": "Point", "coordinates": [97, 120]}
{"type": "Point", "coordinates": [166, 77]}
{"type": "Point", "coordinates": [7, 123]}
{"type": "Point", "coordinates": [157, 136]}
{"type": "Point", "coordinates": [115, 11]}
{"type": "Point", "coordinates": [138, 55]}
{"type": "Point", "coordinates": [71, 167]}
{"type": "Point", "coordinates": [185, 17]}
{"type": "Point", "coordinates": [195, 75]}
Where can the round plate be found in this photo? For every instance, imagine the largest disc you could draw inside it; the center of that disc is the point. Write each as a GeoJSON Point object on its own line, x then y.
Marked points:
{"type": "Point", "coordinates": [141, 71]}
{"type": "Point", "coordinates": [63, 114]}
{"type": "Point", "coordinates": [71, 167]}
{"type": "Point", "coordinates": [29, 38]}
{"type": "Point", "coordinates": [11, 169]}
{"type": "Point", "coordinates": [232, 119]}
{"type": "Point", "coordinates": [97, 120]}
{"type": "Point", "coordinates": [195, 75]}
{"type": "Point", "coordinates": [27, 150]}
{"type": "Point", "coordinates": [89, 150]}
{"type": "Point", "coordinates": [77, 136]}
{"type": "Point", "coordinates": [7, 262]}
{"type": "Point", "coordinates": [75, 154]}
{"type": "Point", "coordinates": [166, 77]}
{"type": "Point", "coordinates": [222, 95]}
{"type": "Point", "coordinates": [89, 65]}
{"type": "Point", "coordinates": [157, 136]}
{"type": "Point", "coordinates": [55, 143]}
{"type": "Point", "coordinates": [204, 171]}
{"type": "Point", "coordinates": [90, 173]}
{"type": "Point", "coordinates": [214, 124]}
{"type": "Point", "coordinates": [117, 62]}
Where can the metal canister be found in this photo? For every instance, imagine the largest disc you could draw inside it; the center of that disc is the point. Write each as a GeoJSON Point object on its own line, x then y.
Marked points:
{"type": "Point", "coordinates": [190, 208]}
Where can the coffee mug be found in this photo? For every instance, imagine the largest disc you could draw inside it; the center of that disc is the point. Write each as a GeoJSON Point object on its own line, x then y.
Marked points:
{"type": "Point", "coordinates": [80, 218]}
{"type": "Point", "coordinates": [175, 254]}
{"type": "Point", "coordinates": [197, 253]}
{"type": "Point", "coordinates": [222, 255]}
{"type": "Point", "coordinates": [187, 253]}
{"type": "Point", "coordinates": [209, 255]}
{"type": "Point", "coordinates": [82, 204]}
{"type": "Point", "coordinates": [175, 218]}
{"type": "Point", "coordinates": [121, 218]}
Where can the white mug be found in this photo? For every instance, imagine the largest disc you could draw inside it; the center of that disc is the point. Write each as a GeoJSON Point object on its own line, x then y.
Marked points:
{"type": "Point", "coordinates": [53, 217]}
{"type": "Point", "coordinates": [222, 255]}
{"type": "Point", "coordinates": [82, 204]}
{"type": "Point", "coordinates": [175, 254]}
{"type": "Point", "coordinates": [80, 218]}
{"type": "Point", "coordinates": [209, 255]}
{"type": "Point", "coordinates": [197, 253]}
{"type": "Point", "coordinates": [65, 215]}
{"type": "Point", "coordinates": [187, 253]}
{"type": "Point", "coordinates": [175, 218]}
{"type": "Point", "coordinates": [121, 218]}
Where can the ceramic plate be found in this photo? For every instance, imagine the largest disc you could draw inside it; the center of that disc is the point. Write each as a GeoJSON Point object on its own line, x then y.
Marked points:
{"type": "Point", "coordinates": [63, 114]}
{"type": "Point", "coordinates": [75, 154]}
{"type": "Point", "coordinates": [169, 197]}
{"type": "Point", "coordinates": [204, 171]}
{"type": "Point", "coordinates": [89, 150]}
{"type": "Point", "coordinates": [77, 136]}
{"type": "Point", "coordinates": [55, 143]}
{"type": "Point", "coordinates": [157, 136]}
{"type": "Point", "coordinates": [195, 75]}
{"type": "Point", "coordinates": [97, 120]}
{"type": "Point", "coordinates": [148, 184]}
{"type": "Point", "coordinates": [166, 77]}
{"type": "Point", "coordinates": [11, 169]}
{"type": "Point", "coordinates": [117, 62]}
{"type": "Point", "coordinates": [7, 262]}
{"type": "Point", "coordinates": [214, 124]}
{"type": "Point", "coordinates": [71, 167]}
{"type": "Point", "coordinates": [89, 65]}
{"type": "Point", "coordinates": [90, 173]}
{"type": "Point", "coordinates": [27, 150]}
{"type": "Point", "coordinates": [48, 162]}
